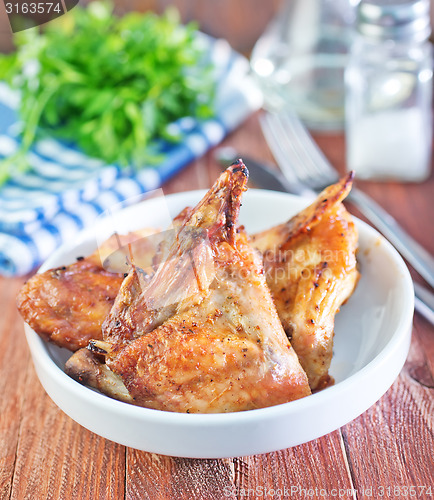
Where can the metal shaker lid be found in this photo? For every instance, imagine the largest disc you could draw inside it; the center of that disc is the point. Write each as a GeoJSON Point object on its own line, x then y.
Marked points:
{"type": "Point", "coordinates": [394, 19]}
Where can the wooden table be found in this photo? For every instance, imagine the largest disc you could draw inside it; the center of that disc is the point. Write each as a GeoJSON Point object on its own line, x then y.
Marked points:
{"type": "Point", "coordinates": [386, 452]}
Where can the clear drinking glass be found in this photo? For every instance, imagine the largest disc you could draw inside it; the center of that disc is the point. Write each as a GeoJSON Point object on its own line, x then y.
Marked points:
{"type": "Point", "coordinates": [300, 59]}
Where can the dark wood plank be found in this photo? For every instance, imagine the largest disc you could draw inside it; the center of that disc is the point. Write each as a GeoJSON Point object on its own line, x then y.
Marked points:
{"type": "Point", "coordinates": [57, 458]}
{"type": "Point", "coordinates": [194, 176]}
{"type": "Point", "coordinates": [5, 31]}
{"type": "Point", "coordinates": [312, 470]}
{"type": "Point", "coordinates": [249, 140]}
{"type": "Point", "coordinates": [410, 205]}
{"type": "Point", "coordinates": [227, 18]}
{"type": "Point", "coordinates": [43, 453]}
{"type": "Point", "coordinates": [425, 335]}
{"type": "Point", "coordinates": [392, 444]}
{"type": "Point", "coordinates": [301, 471]}
{"type": "Point", "coordinates": [14, 359]}
{"type": "Point", "coordinates": [158, 477]}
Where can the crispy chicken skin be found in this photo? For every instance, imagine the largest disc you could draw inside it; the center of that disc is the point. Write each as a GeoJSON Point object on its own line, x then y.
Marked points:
{"type": "Point", "coordinates": [310, 264]}
{"type": "Point", "coordinates": [68, 305]}
{"type": "Point", "coordinates": [220, 347]}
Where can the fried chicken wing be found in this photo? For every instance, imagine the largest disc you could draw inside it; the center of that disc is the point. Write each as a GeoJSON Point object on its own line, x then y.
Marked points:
{"type": "Point", "coordinates": [202, 337]}
{"type": "Point", "coordinates": [311, 270]}
{"type": "Point", "coordinates": [68, 305]}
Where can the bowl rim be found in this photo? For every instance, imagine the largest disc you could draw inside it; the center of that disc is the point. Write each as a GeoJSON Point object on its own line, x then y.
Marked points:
{"type": "Point", "coordinates": [39, 348]}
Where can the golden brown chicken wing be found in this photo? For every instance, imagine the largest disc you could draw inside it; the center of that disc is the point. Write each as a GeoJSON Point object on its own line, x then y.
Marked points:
{"type": "Point", "coordinates": [202, 334]}
{"type": "Point", "coordinates": [68, 305]}
{"type": "Point", "coordinates": [310, 265]}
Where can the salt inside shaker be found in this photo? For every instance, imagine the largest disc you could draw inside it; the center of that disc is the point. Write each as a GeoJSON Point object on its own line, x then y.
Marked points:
{"type": "Point", "coordinates": [389, 91]}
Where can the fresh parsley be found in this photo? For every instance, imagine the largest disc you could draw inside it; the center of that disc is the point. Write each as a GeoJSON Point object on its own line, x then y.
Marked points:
{"type": "Point", "coordinates": [110, 85]}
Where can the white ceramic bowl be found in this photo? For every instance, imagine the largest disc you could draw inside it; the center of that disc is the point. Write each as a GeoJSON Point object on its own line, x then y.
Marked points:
{"type": "Point", "coordinates": [371, 344]}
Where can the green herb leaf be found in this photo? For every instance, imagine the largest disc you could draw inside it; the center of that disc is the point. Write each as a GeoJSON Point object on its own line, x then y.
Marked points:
{"type": "Point", "coordinates": [111, 85]}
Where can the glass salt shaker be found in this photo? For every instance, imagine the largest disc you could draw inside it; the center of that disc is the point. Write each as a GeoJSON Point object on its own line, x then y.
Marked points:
{"type": "Point", "coordinates": [300, 59]}
{"type": "Point", "coordinates": [389, 91]}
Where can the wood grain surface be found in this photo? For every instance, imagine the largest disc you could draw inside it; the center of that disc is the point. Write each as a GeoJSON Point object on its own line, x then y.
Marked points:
{"type": "Point", "coordinates": [385, 453]}
{"type": "Point", "coordinates": [241, 22]}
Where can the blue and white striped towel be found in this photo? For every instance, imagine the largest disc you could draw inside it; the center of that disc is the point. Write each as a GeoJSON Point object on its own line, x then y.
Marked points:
{"type": "Point", "coordinates": [65, 190]}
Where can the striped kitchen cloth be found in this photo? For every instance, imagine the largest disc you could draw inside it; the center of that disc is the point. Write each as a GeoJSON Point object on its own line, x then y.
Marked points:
{"type": "Point", "coordinates": [65, 190]}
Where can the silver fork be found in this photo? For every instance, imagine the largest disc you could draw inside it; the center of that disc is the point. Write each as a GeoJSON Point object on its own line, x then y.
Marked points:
{"type": "Point", "coordinates": [302, 162]}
